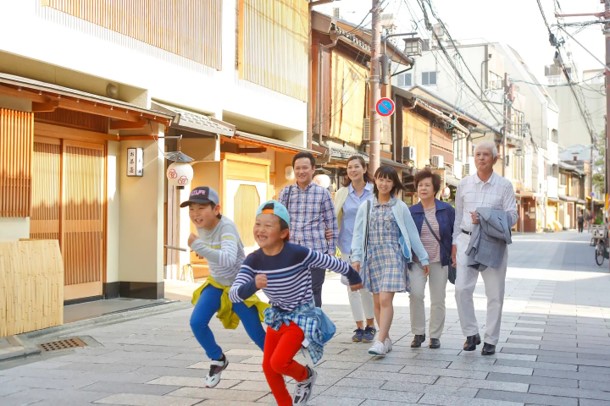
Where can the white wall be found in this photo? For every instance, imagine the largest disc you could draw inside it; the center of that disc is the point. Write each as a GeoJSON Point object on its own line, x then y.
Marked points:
{"type": "Point", "coordinates": [84, 47]}
{"type": "Point", "coordinates": [141, 215]}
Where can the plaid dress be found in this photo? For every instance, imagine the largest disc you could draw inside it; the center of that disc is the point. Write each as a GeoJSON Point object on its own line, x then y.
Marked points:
{"type": "Point", "coordinates": [384, 265]}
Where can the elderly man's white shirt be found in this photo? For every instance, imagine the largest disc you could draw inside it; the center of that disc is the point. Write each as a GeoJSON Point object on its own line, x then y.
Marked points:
{"type": "Point", "coordinates": [472, 193]}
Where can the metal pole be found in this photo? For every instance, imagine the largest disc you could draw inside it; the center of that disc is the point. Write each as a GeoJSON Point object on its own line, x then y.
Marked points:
{"type": "Point", "coordinates": [375, 125]}
{"type": "Point", "coordinates": [607, 143]}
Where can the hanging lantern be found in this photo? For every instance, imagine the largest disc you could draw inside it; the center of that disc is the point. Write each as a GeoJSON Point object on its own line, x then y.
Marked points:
{"type": "Point", "coordinates": [179, 174]}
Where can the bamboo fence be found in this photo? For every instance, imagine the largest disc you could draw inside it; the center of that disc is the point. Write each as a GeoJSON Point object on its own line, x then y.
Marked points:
{"type": "Point", "coordinates": [31, 286]}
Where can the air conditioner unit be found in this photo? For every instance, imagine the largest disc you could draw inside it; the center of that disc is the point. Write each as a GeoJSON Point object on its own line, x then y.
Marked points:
{"type": "Point", "coordinates": [366, 129]}
{"type": "Point", "coordinates": [438, 161]}
{"type": "Point", "coordinates": [408, 154]}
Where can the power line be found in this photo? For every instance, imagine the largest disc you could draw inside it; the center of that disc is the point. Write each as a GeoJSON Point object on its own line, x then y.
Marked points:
{"type": "Point", "coordinates": [557, 44]}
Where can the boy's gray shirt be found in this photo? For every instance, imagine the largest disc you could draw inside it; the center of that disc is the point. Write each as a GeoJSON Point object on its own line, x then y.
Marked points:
{"type": "Point", "coordinates": [223, 249]}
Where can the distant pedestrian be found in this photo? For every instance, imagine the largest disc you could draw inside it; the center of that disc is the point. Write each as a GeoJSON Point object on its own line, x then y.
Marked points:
{"type": "Point", "coordinates": [218, 241]}
{"type": "Point", "coordinates": [357, 189]}
{"type": "Point", "coordinates": [434, 220]}
{"type": "Point", "coordinates": [482, 192]}
{"type": "Point", "coordinates": [314, 224]}
{"type": "Point", "coordinates": [581, 221]}
{"type": "Point", "coordinates": [384, 234]}
{"type": "Point", "coordinates": [283, 271]}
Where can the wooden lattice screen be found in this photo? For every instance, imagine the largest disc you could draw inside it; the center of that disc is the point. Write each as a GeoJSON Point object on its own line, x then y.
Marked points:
{"type": "Point", "coordinates": [16, 145]}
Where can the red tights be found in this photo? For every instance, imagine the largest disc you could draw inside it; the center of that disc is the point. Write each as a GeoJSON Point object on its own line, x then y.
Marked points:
{"type": "Point", "coordinates": [280, 348]}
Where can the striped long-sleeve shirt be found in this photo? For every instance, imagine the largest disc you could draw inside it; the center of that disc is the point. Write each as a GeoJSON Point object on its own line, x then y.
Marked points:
{"type": "Point", "coordinates": [288, 275]}
{"type": "Point", "coordinates": [223, 249]}
{"type": "Point", "coordinates": [311, 213]}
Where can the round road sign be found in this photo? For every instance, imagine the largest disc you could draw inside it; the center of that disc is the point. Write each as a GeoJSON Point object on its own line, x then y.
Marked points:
{"type": "Point", "coordinates": [385, 106]}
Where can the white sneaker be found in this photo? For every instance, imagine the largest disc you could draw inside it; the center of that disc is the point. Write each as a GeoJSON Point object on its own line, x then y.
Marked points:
{"type": "Point", "coordinates": [378, 348]}
{"type": "Point", "coordinates": [303, 390]}
{"type": "Point", "coordinates": [216, 368]}
{"type": "Point", "coordinates": [387, 344]}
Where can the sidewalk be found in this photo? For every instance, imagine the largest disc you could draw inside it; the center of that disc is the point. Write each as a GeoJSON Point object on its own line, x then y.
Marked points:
{"type": "Point", "coordinates": [554, 350]}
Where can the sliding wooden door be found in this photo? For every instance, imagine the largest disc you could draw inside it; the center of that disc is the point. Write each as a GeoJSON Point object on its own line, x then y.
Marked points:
{"type": "Point", "coordinates": [68, 205]}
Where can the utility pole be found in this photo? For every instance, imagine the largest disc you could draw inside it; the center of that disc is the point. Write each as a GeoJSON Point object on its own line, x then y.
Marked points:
{"type": "Point", "coordinates": [605, 16]}
{"type": "Point", "coordinates": [507, 125]}
{"type": "Point", "coordinates": [375, 121]}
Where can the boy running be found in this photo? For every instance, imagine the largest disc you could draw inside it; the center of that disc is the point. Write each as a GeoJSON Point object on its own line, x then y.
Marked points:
{"type": "Point", "coordinates": [283, 271]}
{"type": "Point", "coordinates": [218, 241]}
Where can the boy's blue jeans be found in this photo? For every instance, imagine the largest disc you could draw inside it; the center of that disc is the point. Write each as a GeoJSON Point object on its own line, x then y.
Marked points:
{"type": "Point", "coordinates": [207, 305]}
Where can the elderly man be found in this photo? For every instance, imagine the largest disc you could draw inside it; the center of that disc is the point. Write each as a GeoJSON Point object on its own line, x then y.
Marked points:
{"type": "Point", "coordinates": [485, 189]}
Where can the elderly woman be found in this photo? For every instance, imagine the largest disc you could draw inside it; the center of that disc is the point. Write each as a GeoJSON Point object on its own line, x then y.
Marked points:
{"type": "Point", "coordinates": [434, 220]}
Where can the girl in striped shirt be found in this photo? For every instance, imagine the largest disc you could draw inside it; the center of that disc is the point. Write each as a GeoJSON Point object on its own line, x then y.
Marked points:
{"type": "Point", "coordinates": [283, 271]}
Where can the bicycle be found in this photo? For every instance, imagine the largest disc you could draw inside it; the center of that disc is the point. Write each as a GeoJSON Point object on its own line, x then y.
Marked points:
{"type": "Point", "coordinates": [601, 252]}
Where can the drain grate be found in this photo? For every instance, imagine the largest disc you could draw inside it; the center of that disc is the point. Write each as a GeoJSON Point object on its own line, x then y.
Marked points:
{"type": "Point", "coordinates": [62, 344]}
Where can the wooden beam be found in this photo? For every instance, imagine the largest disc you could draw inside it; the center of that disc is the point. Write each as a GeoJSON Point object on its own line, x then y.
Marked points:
{"type": "Point", "coordinates": [48, 107]}
{"type": "Point", "coordinates": [251, 150]}
{"type": "Point", "coordinates": [127, 125]}
{"type": "Point", "coordinates": [56, 131]}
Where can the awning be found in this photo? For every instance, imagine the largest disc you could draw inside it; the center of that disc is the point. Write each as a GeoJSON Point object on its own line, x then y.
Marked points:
{"type": "Point", "coordinates": [451, 180]}
{"type": "Point", "coordinates": [397, 165]}
{"type": "Point", "coordinates": [47, 97]}
{"type": "Point", "coordinates": [568, 198]}
{"type": "Point", "coordinates": [193, 121]}
{"type": "Point", "coordinates": [242, 137]}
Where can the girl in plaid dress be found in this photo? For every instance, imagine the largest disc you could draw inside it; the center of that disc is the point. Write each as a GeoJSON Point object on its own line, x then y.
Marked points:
{"type": "Point", "coordinates": [384, 235]}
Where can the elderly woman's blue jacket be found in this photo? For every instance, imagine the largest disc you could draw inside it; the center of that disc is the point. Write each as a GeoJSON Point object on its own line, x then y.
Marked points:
{"type": "Point", "coordinates": [445, 216]}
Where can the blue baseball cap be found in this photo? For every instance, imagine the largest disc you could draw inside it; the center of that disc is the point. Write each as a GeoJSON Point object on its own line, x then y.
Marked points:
{"type": "Point", "coordinates": [202, 195]}
{"type": "Point", "coordinates": [274, 207]}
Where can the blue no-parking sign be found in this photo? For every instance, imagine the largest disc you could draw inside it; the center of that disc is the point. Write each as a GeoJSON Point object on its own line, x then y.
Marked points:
{"type": "Point", "coordinates": [385, 107]}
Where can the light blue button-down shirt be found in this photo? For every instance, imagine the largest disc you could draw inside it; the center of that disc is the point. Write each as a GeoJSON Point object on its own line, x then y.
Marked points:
{"type": "Point", "coordinates": [350, 208]}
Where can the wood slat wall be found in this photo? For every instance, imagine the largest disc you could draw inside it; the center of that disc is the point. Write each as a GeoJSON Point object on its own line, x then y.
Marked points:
{"type": "Point", "coordinates": [189, 28]}
{"type": "Point", "coordinates": [31, 286]}
{"type": "Point", "coordinates": [273, 40]}
{"type": "Point", "coordinates": [16, 146]}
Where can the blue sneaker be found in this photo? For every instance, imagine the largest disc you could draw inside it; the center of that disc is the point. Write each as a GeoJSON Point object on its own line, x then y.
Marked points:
{"type": "Point", "coordinates": [358, 334]}
{"type": "Point", "coordinates": [369, 334]}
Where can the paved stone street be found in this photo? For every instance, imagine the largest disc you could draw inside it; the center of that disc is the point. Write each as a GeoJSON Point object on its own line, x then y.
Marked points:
{"type": "Point", "coordinates": [554, 350]}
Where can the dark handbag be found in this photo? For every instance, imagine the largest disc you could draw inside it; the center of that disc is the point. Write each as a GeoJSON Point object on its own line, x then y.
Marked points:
{"type": "Point", "coordinates": [451, 271]}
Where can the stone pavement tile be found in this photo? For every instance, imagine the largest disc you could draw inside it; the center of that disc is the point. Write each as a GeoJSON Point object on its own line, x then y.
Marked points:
{"type": "Point", "coordinates": [325, 400]}
{"type": "Point", "coordinates": [192, 382]}
{"type": "Point", "coordinates": [373, 394]}
{"type": "Point", "coordinates": [580, 376]}
{"type": "Point", "coordinates": [8, 388]}
{"type": "Point", "coordinates": [241, 375]}
{"type": "Point", "coordinates": [430, 363]}
{"type": "Point", "coordinates": [482, 384]}
{"type": "Point", "coordinates": [594, 370]}
{"type": "Point", "coordinates": [512, 344]}
{"type": "Point", "coordinates": [255, 386]}
{"type": "Point", "coordinates": [382, 403]}
{"type": "Point", "coordinates": [218, 394]}
{"type": "Point", "coordinates": [491, 368]}
{"type": "Point", "coordinates": [531, 340]}
{"type": "Point", "coordinates": [448, 400]}
{"type": "Point", "coordinates": [130, 387]}
{"type": "Point", "coordinates": [390, 376]}
{"type": "Point", "coordinates": [437, 389]}
{"type": "Point", "coordinates": [49, 382]}
{"type": "Point", "coordinates": [540, 353]}
{"type": "Point", "coordinates": [603, 385]}
{"type": "Point", "coordinates": [575, 361]}
{"type": "Point", "coordinates": [52, 396]}
{"type": "Point", "coordinates": [97, 367]}
{"type": "Point", "coordinates": [374, 367]}
{"type": "Point", "coordinates": [529, 326]}
{"type": "Point", "coordinates": [533, 380]}
{"type": "Point", "coordinates": [162, 371]}
{"type": "Point", "coordinates": [586, 354]}
{"type": "Point", "coordinates": [567, 335]}
{"type": "Point", "coordinates": [456, 373]}
{"type": "Point", "coordinates": [527, 398]}
{"type": "Point", "coordinates": [570, 392]}
{"type": "Point", "coordinates": [593, 402]}
{"type": "Point", "coordinates": [148, 400]}
{"type": "Point", "coordinates": [346, 365]}
{"type": "Point", "coordinates": [362, 383]}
